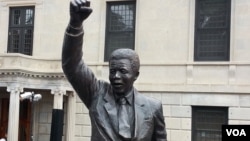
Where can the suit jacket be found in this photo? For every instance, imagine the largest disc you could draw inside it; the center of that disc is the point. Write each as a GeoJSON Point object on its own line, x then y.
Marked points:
{"type": "Point", "coordinates": [98, 97]}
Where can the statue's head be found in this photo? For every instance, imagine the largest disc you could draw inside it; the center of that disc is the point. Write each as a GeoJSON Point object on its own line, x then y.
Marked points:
{"type": "Point", "coordinates": [125, 53]}
{"type": "Point", "coordinates": [124, 65]}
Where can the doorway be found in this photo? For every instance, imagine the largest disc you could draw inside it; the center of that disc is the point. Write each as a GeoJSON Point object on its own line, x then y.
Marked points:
{"type": "Point", "coordinates": [25, 121]}
{"type": "Point", "coordinates": [4, 106]}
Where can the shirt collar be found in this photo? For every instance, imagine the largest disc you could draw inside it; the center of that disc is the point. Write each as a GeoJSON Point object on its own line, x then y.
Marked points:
{"type": "Point", "coordinates": [128, 97]}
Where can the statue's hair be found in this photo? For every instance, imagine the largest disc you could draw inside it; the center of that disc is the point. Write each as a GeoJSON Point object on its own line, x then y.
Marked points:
{"type": "Point", "coordinates": [125, 53]}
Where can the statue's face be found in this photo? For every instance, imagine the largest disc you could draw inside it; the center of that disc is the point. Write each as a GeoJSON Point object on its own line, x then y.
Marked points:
{"type": "Point", "coordinates": [121, 76]}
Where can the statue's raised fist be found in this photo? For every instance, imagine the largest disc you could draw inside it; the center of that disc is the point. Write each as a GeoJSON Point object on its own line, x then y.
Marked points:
{"type": "Point", "coordinates": [79, 11]}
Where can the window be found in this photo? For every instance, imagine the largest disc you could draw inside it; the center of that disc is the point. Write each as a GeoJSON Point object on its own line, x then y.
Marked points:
{"type": "Point", "coordinates": [120, 26]}
{"type": "Point", "coordinates": [207, 123]}
{"type": "Point", "coordinates": [21, 24]}
{"type": "Point", "coordinates": [212, 30]}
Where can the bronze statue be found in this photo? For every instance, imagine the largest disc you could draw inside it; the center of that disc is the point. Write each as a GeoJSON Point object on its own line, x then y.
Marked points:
{"type": "Point", "coordinates": [117, 111]}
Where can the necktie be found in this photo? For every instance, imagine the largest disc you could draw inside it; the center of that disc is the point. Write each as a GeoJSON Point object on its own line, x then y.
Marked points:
{"type": "Point", "coordinates": [124, 125]}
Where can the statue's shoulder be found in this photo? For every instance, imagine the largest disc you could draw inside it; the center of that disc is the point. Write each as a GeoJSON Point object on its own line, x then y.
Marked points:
{"type": "Point", "coordinates": [154, 102]}
{"type": "Point", "coordinates": [149, 101]}
{"type": "Point", "coordinates": [103, 86]}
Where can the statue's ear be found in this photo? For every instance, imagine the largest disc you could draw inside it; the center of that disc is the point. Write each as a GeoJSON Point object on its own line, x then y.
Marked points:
{"type": "Point", "coordinates": [136, 75]}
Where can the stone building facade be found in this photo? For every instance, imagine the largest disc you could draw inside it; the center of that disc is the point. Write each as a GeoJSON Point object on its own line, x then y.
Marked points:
{"type": "Point", "coordinates": [198, 94]}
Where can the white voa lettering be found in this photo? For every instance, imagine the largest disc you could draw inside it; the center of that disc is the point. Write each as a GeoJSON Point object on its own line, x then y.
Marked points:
{"type": "Point", "coordinates": [229, 132]}
{"type": "Point", "coordinates": [236, 132]}
{"type": "Point", "coordinates": [243, 133]}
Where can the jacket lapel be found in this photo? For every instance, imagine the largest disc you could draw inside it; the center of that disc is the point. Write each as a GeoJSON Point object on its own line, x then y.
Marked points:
{"type": "Point", "coordinates": [140, 113]}
{"type": "Point", "coordinates": [110, 107]}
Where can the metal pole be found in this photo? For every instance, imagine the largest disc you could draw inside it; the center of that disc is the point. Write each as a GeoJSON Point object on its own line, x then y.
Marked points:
{"type": "Point", "coordinates": [56, 132]}
{"type": "Point", "coordinates": [31, 119]}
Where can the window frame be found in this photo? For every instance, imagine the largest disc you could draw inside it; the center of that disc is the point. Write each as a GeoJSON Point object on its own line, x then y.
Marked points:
{"type": "Point", "coordinates": [107, 51]}
{"type": "Point", "coordinates": [195, 109]}
{"type": "Point", "coordinates": [22, 29]}
{"type": "Point", "coordinates": [226, 57]}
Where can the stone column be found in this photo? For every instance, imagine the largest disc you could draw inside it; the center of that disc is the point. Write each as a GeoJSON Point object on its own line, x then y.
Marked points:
{"type": "Point", "coordinates": [13, 124]}
{"type": "Point", "coordinates": [58, 98]}
{"type": "Point", "coordinates": [71, 112]}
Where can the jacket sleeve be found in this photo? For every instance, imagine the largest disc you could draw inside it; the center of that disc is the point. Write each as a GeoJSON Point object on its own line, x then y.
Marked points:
{"type": "Point", "coordinates": [77, 72]}
{"type": "Point", "coordinates": [159, 133]}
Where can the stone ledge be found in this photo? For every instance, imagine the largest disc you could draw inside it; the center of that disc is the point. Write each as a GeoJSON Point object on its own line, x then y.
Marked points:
{"type": "Point", "coordinates": [194, 88]}
{"type": "Point", "coordinates": [23, 73]}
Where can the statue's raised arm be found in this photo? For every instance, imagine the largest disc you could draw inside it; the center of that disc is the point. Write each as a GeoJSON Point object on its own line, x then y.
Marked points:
{"type": "Point", "coordinates": [76, 71]}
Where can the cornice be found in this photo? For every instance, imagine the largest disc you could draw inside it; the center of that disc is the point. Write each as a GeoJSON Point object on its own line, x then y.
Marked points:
{"type": "Point", "coordinates": [13, 64]}
{"type": "Point", "coordinates": [22, 73]}
{"type": "Point", "coordinates": [34, 80]}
